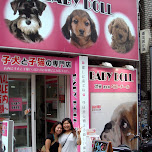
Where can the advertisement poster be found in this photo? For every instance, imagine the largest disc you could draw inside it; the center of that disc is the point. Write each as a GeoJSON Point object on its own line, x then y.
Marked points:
{"type": "Point", "coordinates": [7, 136]}
{"type": "Point", "coordinates": [88, 27]}
{"type": "Point", "coordinates": [15, 104]}
{"type": "Point", "coordinates": [115, 91]}
{"type": "Point", "coordinates": [4, 109]}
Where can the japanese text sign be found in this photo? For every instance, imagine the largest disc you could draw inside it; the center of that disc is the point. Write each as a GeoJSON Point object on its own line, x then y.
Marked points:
{"type": "Point", "coordinates": [35, 64]}
{"type": "Point", "coordinates": [111, 80]}
{"type": "Point", "coordinates": [3, 94]}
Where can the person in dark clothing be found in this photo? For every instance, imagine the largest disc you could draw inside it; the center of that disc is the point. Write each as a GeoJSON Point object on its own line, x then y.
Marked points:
{"type": "Point", "coordinates": [51, 142]}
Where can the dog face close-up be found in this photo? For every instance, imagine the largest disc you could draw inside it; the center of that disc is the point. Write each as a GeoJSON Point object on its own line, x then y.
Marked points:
{"type": "Point", "coordinates": [80, 28]}
{"type": "Point", "coordinates": [26, 26]}
{"type": "Point", "coordinates": [123, 121]}
{"type": "Point", "coordinates": [122, 39]}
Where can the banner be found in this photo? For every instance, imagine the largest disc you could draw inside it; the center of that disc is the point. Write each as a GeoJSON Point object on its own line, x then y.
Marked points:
{"type": "Point", "coordinates": [100, 28]}
{"type": "Point", "coordinates": [10, 62]}
{"type": "Point", "coordinates": [113, 104]}
{"type": "Point", "coordinates": [4, 106]}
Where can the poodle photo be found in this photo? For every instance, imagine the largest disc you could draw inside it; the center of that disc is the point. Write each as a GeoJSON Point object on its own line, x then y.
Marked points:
{"type": "Point", "coordinates": [80, 29]}
{"type": "Point", "coordinates": [122, 39]}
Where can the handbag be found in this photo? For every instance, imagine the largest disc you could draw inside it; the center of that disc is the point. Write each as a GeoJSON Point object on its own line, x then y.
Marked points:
{"type": "Point", "coordinates": [66, 140]}
{"type": "Point", "coordinates": [43, 149]}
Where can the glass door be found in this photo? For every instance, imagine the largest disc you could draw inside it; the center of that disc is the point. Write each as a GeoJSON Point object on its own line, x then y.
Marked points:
{"type": "Point", "coordinates": [54, 99]}
{"type": "Point", "coordinates": [50, 104]}
{"type": "Point", "coordinates": [19, 108]}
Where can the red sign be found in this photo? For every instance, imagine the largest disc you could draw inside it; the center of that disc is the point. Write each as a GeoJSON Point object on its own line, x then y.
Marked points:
{"type": "Point", "coordinates": [99, 28]}
{"type": "Point", "coordinates": [3, 94]}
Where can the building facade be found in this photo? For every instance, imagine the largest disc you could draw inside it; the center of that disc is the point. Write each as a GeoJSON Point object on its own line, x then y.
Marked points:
{"type": "Point", "coordinates": [54, 63]}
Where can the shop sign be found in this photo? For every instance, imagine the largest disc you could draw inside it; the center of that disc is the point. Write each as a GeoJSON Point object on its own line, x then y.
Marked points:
{"type": "Point", "coordinates": [75, 105]}
{"type": "Point", "coordinates": [115, 91]}
{"type": "Point", "coordinates": [15, 104]}
{"type": "Point", "coordinates": [4, 108]}
{"type": "Point", "coordinates": [35, 64]}
{"type": "Point", "coordinates": [145, 36]}
{"type": "Point", "coordinates": [88, 27]}
{"type": "Point", "coordinates": [84, 100]}
{"type": "Point", "coordinates": [112, 80]}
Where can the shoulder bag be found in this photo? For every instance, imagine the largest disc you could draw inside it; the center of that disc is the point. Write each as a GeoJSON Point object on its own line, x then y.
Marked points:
{"type": "Point", "coordinates": [66, 140]}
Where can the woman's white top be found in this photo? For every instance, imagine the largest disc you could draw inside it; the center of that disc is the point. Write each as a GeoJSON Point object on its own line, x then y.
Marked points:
{"type": "Point", "coordinates": [71, 143]}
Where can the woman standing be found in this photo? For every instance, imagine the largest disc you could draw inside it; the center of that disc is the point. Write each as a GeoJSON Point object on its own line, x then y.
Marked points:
{"type": "Point", "coordinates": [69, 140]}
{"type": "Point", "coordinates": [51, 142]}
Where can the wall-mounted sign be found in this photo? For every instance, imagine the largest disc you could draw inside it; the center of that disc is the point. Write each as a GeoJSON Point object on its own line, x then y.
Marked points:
{"type": "Point", "coordinates": [113, 95]}
{"type": "Point", "coordinates": [4, 108]}
{"type": "Point", "coordinates": [35, 64]}
{"type": "Point", "coordinates": [100, 28]}
{"type": "Point", "coordinates": [145, 36]}
{"type": "Point", "coordinates": [15, 104]}
{"type": "Point", "coordinates": [112, 80]}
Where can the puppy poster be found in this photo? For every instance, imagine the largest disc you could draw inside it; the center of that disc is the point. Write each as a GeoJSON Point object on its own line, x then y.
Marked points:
{"type": "Point", "coordinates": [115, 90]}
{"type": "Point", "coordinates": [89, 27]}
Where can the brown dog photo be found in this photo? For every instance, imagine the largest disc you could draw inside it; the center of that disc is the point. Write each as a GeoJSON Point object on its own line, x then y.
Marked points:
{"type": "Point", "coordinates": [80, 29]}
{"type": "Point", "coordinates": [123, 121]}
{"type": "Point", "coordinates": [122, 38]}
{"type": "Point", "coordinates": [26, 26]}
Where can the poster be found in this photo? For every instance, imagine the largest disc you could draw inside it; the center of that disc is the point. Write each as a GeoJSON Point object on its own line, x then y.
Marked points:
{"type": "Point", "coordinates": [7, 136]}
{"type": "Point", "coordinates": [4, 106]}
{"type": "Point", "coordinates": [15, 104]}
{"type": "Point", "coordinates": [88, 27]}
{"type": "Point", "coordinates": [118, 115]}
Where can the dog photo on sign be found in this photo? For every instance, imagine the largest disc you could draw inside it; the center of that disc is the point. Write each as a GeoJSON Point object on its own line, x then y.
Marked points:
{"type": "Point", "coordinates": [80, 29]}
{"type": "Point", "coordinates": [122, 38]}
{"type": "Point", "coordinates": [26, 26]}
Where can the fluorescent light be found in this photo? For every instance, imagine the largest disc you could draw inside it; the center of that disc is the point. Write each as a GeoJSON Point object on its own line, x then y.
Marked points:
{"type": "Point", "coordinates": [13, 87]}
{"type": "Point", "coordinates": [129, 67]}
{"type": "Point", "coordinates": [106, 64]}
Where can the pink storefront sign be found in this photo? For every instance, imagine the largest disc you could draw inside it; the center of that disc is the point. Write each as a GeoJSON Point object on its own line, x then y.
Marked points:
{"type": "Point", "coordinates": [111, 80]}
{"type": "Point", "coordinates": [75, 105]}
{"type": "Point", "coordinates": [35, 64]}
{"type": "Point", "coordinates": [15, 104]}
{"type": "Point", "coordinates": [52, 30]}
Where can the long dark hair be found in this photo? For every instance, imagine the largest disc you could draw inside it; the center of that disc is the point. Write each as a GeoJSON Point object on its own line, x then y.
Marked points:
{"type": "Point", "coordinates": [72, 129]}
{"type": "Point", "coordinates": [54, 126]}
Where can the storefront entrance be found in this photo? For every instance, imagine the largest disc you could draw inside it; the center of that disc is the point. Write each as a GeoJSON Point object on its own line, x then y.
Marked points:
{"type": "Point", "coordinates": [50, 104]}
{"type": "Point", "coordinates": [35, 103]}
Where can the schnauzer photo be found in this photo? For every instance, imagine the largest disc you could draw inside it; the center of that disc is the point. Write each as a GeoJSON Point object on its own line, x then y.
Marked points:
{"type": "Point", "coordinates": [26, 26]}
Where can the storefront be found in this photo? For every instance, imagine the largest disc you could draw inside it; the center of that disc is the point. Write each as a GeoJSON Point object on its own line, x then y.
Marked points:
{"type": "Point", "coordinates": [34, 95]}
{"type": "Point", "coordinates": [41, 88]}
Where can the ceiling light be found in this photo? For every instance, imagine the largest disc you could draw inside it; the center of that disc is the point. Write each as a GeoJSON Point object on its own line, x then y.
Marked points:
{"type": "Point", "coordinates": [106, 64]}
{"type": "Point", "coordinates": [129, 67]}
